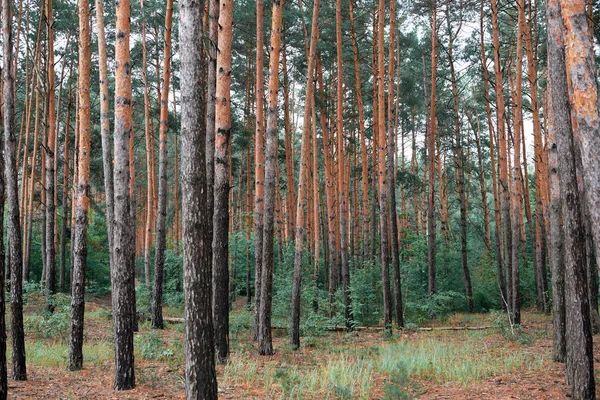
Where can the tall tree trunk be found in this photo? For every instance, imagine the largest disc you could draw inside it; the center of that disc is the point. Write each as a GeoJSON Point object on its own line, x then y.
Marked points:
{"type": "Point", "coordinates": [150, 176]}
{"type": "Point", "coordinates": [259, 162]}
{"type": "Point", "coordinates": [391, 173]}
{"type": "Point", "coordinates": [341, 179]}
{"type": "Point", "coordinates": [363, 143]}
{"type": "Point", "coordinates": [517, 187]}
{"type": "Point", "coordinates": [583, 95]}
{"type": "Point", "coordinates": [123, 279]}
{"type": "Point", "coordinates": [220, 243]}
{"type": "Point", "coordinates": [301, 201]}
{"type": "Point", "coordinates": [265, 343]}
{"type": "Point", "coordinates": [19, 369]}
{"type": "Point", "coordinates": [289, 154]}
{"type": "Point", "coordinates": [107, 159]}
{"type": "Point", "coordinates": [200, 375]}
{"type": "Point", "coordinates": [556, 258]}
{"type": "Point", "coordinates": [431, 221]}
{"type": "Point", "coordinates": [6, 110]}
{"type": "Point", "coordinates": [506, 239]}
{"type": "Point", "coordinates": [161, 234]}
{"type": "Point", "coordinates": [381, 169]}
{"type": "Point", "coordinates": [65, 197]}
{"type": "Point", "coordinates": [541, 167]}
{"type": "Point", "coordinates": [50, 254]}
{"type": "Point", "coordinates": [212, 50]}
{"type": "Point", "coordinates": [79, 240]}
{"type": "Point", "coordinates": [580, 370]}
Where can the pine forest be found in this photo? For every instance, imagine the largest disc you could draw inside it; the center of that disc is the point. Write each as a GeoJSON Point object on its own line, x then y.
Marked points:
{"type": "Point", "coordinates": [250, 199]}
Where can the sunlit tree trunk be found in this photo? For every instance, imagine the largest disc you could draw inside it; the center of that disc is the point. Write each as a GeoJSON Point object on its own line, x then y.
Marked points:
{"type": "Point", "coordinates": [431, 149]}
{"type": "Point", "coordinates": [517, 187]}
{"type": "Point", "coordinates": [123, 283]}
{"type": "Point", "coordinates": [107, 159]}
{"type": "Point", "coordinates": [161, 234]}
{"type": "Point", "coordinates": [583, 95]}
{"type": "Point", "coordinates": [329, 190]}
{"type": "Point", "coordinates": [391, 173]}
{"type": "Point", "coordinates": [222, 151]}
{"type": "Point", "coordinates": [301, 200]}
{"type": "Point", "coordinates": [150, 176]}
{"type": "Point", "coordinates": [79, 240]}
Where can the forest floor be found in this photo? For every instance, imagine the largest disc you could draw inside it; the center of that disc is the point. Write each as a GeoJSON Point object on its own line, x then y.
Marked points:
{"type": "Point", "coordinates": [491, 363]}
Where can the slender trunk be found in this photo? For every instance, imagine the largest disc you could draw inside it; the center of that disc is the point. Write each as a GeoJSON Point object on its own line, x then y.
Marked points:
{"type": "Point", "coordinates": [381, 170]}
{"type": "Point", "coordinates": [289, 144]}
{"type": "Point", "coordinates": [79, 239]}
{"type": "Point", "coordinates": [517, 188]}
{"type": "Point", "coordinates": [161, 234]}
{"type": "Point", "coordinates": [107, 159]}
{"type": "Point", "coordinates": [301, 201]}
{"type": "Point", "coordinates": [222, 151]}
{"type": "Point", "coordinates": [329, 191]}
{"type": "Point", "coordinates": [541, 167]}
{"type": "Point", "coordinates": [506, 238]}
{"type": "Point", "coordinates": [123, 279]}
{"type": "Point", "coordinates": [341, 179]}
{"type": "Point", "coordinates": [150, 176]}
{"type": "Point", "coordinates": [65, 197]}
{"type": "Point", "coordinates": [391, 173]}
{"type": "Point", "coordinates": [259, 162]}
{"type": "Point", "coordinates": [50, 253]}
{"type": "Point", "coordinates": [19, 369]}
{"type": "Point", "coordinates": [431, 221]}
{"type": "Point", "coordinates": [217, 250]}
{"type": "Point", "coordinates": [265, 343]}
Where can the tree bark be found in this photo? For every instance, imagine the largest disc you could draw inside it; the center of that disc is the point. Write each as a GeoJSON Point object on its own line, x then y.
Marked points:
{"type": "Point", "coordinates": [200, 375]}
{"type": "Point", "coordinates": [19, 369]}
{"type": "Point", "coordinates": [220, 243]}
{"type": "Point", "coordinates": [431, 218]}
{"type": "Point", "coordinates": [506, 239]}
{"type": "Point", "coordinates": [391, 173]}
{"type": "Point", "coordinates": [301, 201]}
{"type": "Point", "coordinates": [259, 162]}
{"type": "Point", "coordinates": [79, 240]}
{"type": "Point", "coordinates": [123, 279]}
{"type": "Point", "coordinates": [517, 187]}
{"type": "Point", "coordinates": [50, 144]}
{"type": "Point", "coordinates": [583, 95]}
{"type": "Point", "coordinates": [265, 343]}
{"type": "Point", "coordinates": [107, 159]}
{"type": "Point", "coordinates": [161, 234]}
{"type": "Point", "coordinates": [149, 135]}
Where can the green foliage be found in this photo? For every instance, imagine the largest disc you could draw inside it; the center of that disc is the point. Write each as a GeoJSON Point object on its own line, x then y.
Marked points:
{"type": "Point", "coordinates": [441, 305]}
{"type": "Point", "coordinates": [44, 323]}
{"type": "Point", "coordinates": [151, 346]}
